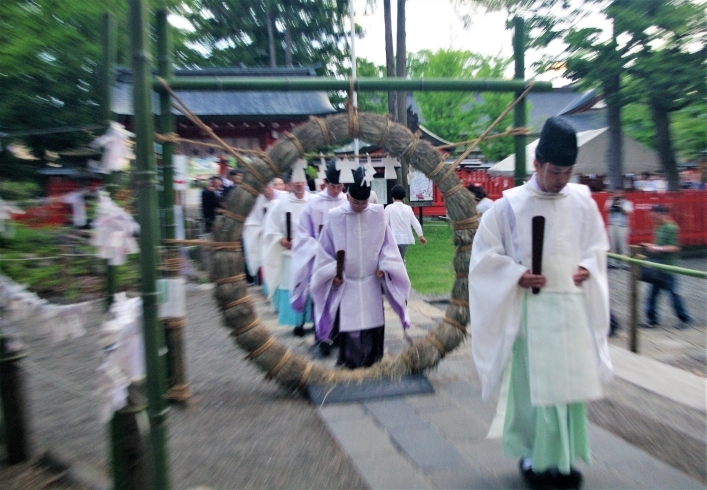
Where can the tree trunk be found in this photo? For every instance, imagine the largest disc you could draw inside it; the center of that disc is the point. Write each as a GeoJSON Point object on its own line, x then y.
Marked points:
{"type": "Point", "coordinates": [389, 56]}
{"type": "Point", "coordinates": [271, 37]}
{"type": "Point", "coordinates": [614, 149]}
{"type": "Point", "coordinates": [664, 145]}
{"type": "Point", "coordinates": [400, 64]}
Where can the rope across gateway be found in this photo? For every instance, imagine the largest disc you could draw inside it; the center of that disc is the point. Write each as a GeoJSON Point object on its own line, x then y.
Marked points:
{"type": "Point", "coordinates": [276, 361]}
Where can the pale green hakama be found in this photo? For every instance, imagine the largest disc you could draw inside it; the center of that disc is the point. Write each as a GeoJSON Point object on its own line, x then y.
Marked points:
{"type": "Point", "coordinates": [553, 436]}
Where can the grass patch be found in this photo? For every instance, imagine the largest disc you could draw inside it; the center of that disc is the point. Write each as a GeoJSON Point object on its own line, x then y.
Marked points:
{"type": "Point", "coordinates": [430, 266]}
{"type": "Point", "coordinates": [31, 257]}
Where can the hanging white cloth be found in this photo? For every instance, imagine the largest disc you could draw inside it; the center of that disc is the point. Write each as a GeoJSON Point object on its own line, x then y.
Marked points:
{"type": "Point", "coordinates": [122, 353]}
{"type": "Point", "coordinates": [113, 231]}
{"type": "Point", "coordinates": [7, 209]}
{"type": "Point", "coordinates": [60, 322]}
{"type": "Point", "coordinates": [117, 147]}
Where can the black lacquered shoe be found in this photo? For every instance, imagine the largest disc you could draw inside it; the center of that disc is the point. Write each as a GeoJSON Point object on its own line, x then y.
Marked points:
{"type": "Point", "coordinates": [537, 481]}
{"type": "Point", "coordinates": [325, 349]}
{"type": "Point", "coordinates": [571, 481]}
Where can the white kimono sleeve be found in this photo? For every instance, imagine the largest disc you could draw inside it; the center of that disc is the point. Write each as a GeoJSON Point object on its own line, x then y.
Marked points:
{"type": "Point", "coordinates": [495, 299]}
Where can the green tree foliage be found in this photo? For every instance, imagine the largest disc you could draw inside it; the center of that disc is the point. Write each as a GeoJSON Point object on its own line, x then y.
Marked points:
{"type": "Point", "coordinates": [371, 101]}
{"type": "Point", "coordinates": [667, 64]}
{"type": "Point", "coordinates": [235, 33]}
{"type": "Point", "coordinates": [50, 54]}
{"type": "Point", "coordinates": [688, 126]}
{"type": "Point", "coordinates": [656, 56]}
{"type": "Point", "coordinates": [459, 116]}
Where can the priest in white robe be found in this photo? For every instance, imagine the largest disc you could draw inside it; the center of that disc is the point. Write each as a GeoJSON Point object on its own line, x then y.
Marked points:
{"type": "Point", "coordinates": [254, 225]}
{"type": "Point", "coordinates": [553, 344]}
{"type": "Point", "coordinates": [306, 244]}
{"type": "Point", "coordinates": [372, 268]}
{"type": "Point", "coordinates": [280, 224]}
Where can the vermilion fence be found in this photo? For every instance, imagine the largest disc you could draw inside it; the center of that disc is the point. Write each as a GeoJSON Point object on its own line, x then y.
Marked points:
{"type": "Point", "coordinates": [493, 185]}
{"type": "Point", "coordinates": [688, 208]}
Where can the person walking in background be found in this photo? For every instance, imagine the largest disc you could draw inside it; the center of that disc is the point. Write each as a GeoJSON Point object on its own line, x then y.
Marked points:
{"type": "Point", "coordinates": [665, 250]}
{"type": "Point", "coordinates": [210, 202]}
{"type": "Point", "coordinates": [553, 341]}
{"type": "Point", "coordinates": [235, 177]}
{"type": "Point", "coordinates": [400, 218]}
{"type": "Point", "coordinates": [483, 203]}
{"type": "Point", "coordinates": [619, 210]}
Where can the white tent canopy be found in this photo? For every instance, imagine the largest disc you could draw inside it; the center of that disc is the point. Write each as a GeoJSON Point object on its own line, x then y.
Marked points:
{"type": "Point", "coordinates": [591, 158]}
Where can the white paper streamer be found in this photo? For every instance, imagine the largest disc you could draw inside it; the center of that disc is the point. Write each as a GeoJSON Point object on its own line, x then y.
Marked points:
{"type": "Point", "coordinates": [113, 231]}
{"type": "Point", "coordinates": [117, 146]}
{"type": "Point", "coordinates": [390, 165]}
{"type": "Point", "coordinates": [346, 167]}
{"type": "Point", "coordinates": [61, 322]}
{"type": "Point", "coordinates": [122, 353]}
{"type": "Point", "coordinates": [298, 173]}
{"type": "Point", "coordinates": [368, 173]}
{"type": "Point", "coordinates": [7, 209]}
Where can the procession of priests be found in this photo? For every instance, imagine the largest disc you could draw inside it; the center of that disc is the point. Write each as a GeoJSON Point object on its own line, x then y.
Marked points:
{"type": "Point", "coordinates": [538, 296]}
{"type": "Point", "coordinates": [297, 236]}
{"type": "Point", "coordinates": [543, 334]}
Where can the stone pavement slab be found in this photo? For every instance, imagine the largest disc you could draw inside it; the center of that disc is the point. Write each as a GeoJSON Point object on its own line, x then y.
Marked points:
{"type": "Point", "coordinates": [442, 437]}
{"type": "Point", "coordinates": [667, 381]}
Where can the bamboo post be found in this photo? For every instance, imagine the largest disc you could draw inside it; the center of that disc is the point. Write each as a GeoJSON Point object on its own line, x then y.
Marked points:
{"type": "Point", "coordinates": [14, 401]}
{"type": "Point", "coordinates": [127, 445]}
{"type": "Point", "coordinates": [128, 449]}
{"type": "Point", "coordinates": [147, 203]}
{"type": "Point", "coordinates": [519, 120]}
{"type": "Point", "coordinates": [110, 179]}
{"type": "Point", "coordinates": [177, 386]}
{"type": "Point", "coordinates": [634, 298]}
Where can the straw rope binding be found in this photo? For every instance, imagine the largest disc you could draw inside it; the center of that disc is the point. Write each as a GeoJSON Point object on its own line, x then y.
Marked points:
{"type": "Point", "coordinates": [231, 215]}
{"type": "Point", "coordinates": [437, 345]}
{"type": "Point", "coordinates": [271, 374]}
{"type": "Point", "coordinates": [295, 142]}
{"type": "Point", "coordinates": [322, 127]}
{"type": "Point", "coordinates": [269, 343]}
{"type": "Point", "coordinates": [465, 224]}
{"type": "Point", "coordinates": [175, 323]}
{"type": "Point", "coordinates": [240, 301]}
{"type": "Point", "coordinates": [226, 280]}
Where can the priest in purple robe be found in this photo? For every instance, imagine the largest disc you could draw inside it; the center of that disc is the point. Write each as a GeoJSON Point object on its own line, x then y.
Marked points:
{"type": "Point", "coordinates": [372, 268]}
{"type": "Point", "coordinates": [306, 244]}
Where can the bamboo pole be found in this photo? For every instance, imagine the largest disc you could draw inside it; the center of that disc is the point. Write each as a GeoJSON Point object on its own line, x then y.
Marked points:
{"type": "Point", "coordinates": [635, 272]}
{"type": "Point", "coordinates": [300, 84]}
{"type": "Point", "coordinates": [13, 401]}
{"type": "Point", "coordinates": [110, 179]}
{"type": "Point", "coordinates": [146, 185]}
{"type": "Point", "coordinates": [519, 120]}
{"type": "Point", "coordinates": [177, 386]}
{"type": "Point", "coordinates": [639, 260]}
